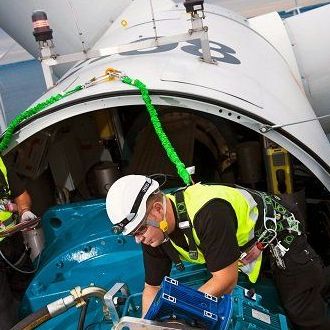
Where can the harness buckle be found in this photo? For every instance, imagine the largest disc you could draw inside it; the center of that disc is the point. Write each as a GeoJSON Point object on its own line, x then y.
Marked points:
{"type": "Point", "coordinates": [193, 255]}
{"type": "Point", "coordinates": [277, 254]}
{"type": "Point", "coordinates": [272, 219]}
{"type": "Point", "coordinates": [184, 224]}
{"type": "Point", "coordinates": [282, 250]}
{"type": "Point", "coordinates": [263, 238]}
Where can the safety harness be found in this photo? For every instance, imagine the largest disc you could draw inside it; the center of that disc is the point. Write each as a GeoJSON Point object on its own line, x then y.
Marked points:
{"type": "Point", "coordinates": [280, 227]}
{"type": "Point", "coordinates": [278, 230]}
{"type": "Point", "coordinates": [184, 224]}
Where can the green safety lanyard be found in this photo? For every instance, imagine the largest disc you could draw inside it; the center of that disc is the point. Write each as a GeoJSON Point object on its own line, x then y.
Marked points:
{"type": "Point", "coordinates": [31, 112]}
{"type": "Point", "coordinates": [110, 74]}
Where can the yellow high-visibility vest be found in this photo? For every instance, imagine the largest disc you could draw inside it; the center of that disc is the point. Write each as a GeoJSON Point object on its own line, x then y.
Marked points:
{"type": "Point", "coordinates": [245, 207]}
{"type": "Point", "coordinates": [5, 215]}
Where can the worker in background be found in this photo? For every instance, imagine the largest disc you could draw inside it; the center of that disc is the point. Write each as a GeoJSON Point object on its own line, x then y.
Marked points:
{"type": "Point", "coordinates": [227, 229]}
{"type": "Point", "coordinates": [15, 205]}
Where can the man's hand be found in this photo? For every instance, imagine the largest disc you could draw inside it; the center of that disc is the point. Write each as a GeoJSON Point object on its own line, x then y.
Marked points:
{"type": "Point", "coordinates": [222, 281]}
{"type": "Point", "coordinates": [27, 216]}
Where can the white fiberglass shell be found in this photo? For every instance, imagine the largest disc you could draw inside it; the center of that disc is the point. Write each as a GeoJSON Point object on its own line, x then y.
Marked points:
{"type": "Point", "coordinates": [250, 84]}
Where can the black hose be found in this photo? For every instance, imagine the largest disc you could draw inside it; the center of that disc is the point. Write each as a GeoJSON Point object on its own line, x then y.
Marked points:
{"type": "Point", "coordinates": [82, 317]}
{"type": "Point", "coordinates": [33, 320]}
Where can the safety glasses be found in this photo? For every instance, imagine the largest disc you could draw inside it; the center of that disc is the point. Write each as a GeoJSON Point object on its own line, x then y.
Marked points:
{"type": "Point", "coordinates": [141, 229]}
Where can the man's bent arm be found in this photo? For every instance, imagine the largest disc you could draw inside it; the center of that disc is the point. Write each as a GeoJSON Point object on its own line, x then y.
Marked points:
{"type": "Point", "coordinates": [149, 293]}
{"type": "Point", "coordinates": [23, 202]}
{"type": "Point", "coordinates": [222, 281]}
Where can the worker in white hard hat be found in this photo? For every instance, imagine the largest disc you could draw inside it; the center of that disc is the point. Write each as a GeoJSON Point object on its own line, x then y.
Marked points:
{"type": "Point", "coordinates": [226, 228]}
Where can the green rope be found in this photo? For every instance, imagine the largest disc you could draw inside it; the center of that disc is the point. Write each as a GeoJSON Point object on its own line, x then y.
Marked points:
{"type": "Point", "coordinates": [31, 112]}
{"type": "Point", "coordinates": [171, 153]}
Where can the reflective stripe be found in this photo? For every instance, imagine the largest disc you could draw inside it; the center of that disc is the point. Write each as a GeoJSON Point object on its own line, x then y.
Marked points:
{"type": "Point", "coordinates": [252, 269]}
{"type": "Point", "coordinates": [253, 204]}
{"type": "Point", "coordinates": [254, 213]}
{"type": "Point", "coordinates": [8, 222]}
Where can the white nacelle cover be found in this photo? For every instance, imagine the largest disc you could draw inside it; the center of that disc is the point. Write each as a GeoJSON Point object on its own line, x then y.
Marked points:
{"type": "Point", "coordinates": [250, 77]}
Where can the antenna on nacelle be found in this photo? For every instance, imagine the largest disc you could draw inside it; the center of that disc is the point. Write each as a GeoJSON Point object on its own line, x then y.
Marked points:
{"type": "Point", "coordinates": [49, 58]}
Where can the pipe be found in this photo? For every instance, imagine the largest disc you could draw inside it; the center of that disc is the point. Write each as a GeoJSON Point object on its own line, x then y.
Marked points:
{"type": "Point", "coordinates": [59, 306]}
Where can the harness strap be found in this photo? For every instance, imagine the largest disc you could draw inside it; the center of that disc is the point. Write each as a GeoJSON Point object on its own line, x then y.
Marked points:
{"type": "Point", "coordinates": [278, 220]}
{"type": "Point", "coordinates": [185, 224]}
{"type": "Point", "coordinates": [173, 255]}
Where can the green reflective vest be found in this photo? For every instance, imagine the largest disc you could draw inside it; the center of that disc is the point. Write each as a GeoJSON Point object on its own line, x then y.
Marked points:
{"type": "Point", "coordinates": [5, 216]}
{"type": "Point", "coordinates": [245, 207]}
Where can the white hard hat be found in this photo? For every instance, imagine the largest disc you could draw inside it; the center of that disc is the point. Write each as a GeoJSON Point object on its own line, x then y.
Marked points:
{"type": "Point", "coordinates": [126, 201]}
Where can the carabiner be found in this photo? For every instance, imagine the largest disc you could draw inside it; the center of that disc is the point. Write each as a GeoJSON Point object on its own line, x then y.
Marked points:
{"type": "Point", "coordinates": [113, 73]}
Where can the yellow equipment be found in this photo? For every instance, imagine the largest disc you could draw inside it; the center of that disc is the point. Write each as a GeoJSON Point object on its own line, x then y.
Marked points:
{"type": "Point", "coordinates": [279, 171]}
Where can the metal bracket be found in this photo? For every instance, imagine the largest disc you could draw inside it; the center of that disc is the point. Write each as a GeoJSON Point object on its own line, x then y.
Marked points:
{"type": "Point", "coordinates": [49, 57]}
{"type": "Point", "coordinates": [77, 295]}
{"type": "Point", "coordinates": [109, 300]}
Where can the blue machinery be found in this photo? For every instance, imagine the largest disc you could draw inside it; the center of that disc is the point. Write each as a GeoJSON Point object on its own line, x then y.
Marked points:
{"type": "Point", "coordinates": [81, 251]}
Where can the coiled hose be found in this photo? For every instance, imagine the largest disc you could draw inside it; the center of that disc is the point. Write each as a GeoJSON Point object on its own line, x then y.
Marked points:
{"type": "Point", "coordinates": [59, 306]}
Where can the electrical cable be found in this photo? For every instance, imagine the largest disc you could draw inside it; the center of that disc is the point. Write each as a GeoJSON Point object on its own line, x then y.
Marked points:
{"type": "Point", "coordinates": [158, 176]}
{"type": "Point", "coordinates": [82, 316]}
{"type": "Point", "coordinates": [21, 270]}
{"type": "Point", "coordinates": [20, 258]}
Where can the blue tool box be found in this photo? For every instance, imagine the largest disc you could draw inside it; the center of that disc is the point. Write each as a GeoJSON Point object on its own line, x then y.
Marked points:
{"type": "Point", "coordinates": [178, 301]}
{"type": "Point", "coordinates": [248, 313]}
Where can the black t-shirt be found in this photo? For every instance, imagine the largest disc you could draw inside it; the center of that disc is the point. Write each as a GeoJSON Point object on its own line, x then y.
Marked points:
{"type": "Point", "coordinates": [16, 185]}
{"type": "Point", "coordinates": [215, 225]}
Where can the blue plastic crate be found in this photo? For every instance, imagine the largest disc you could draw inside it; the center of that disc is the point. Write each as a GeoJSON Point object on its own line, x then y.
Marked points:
{"type": "Point", "coordinates": [179, 301]}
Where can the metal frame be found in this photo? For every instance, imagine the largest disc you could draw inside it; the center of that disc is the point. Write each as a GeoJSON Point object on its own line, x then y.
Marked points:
{"type": "Point", "coordinates": [198, 31]}
{"type": "Point", "coordinates": [133, 323]}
